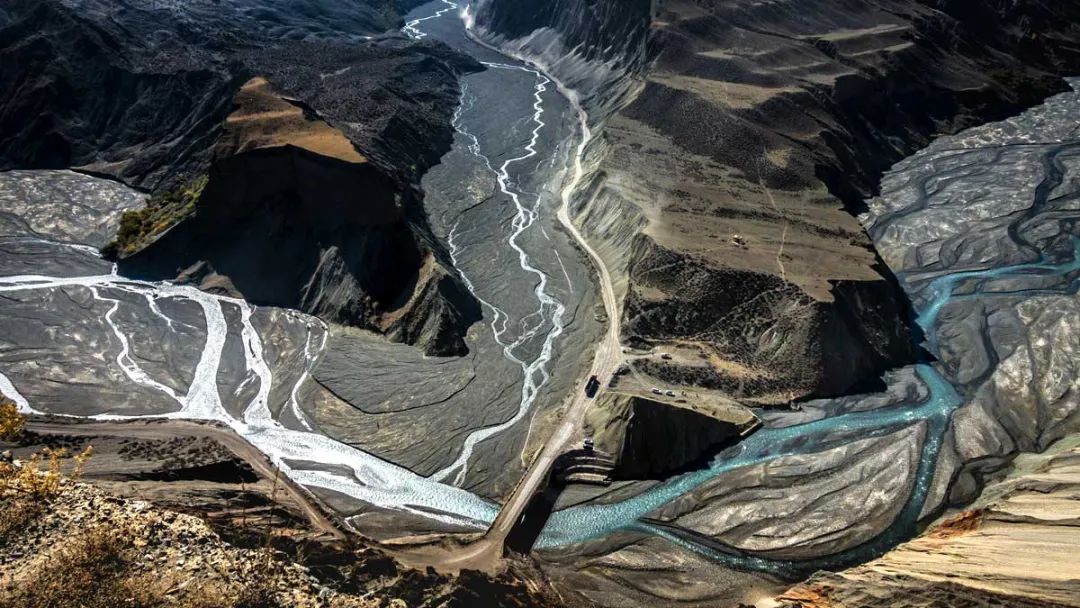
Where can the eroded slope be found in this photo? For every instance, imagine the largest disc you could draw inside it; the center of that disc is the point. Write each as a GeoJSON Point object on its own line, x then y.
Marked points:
{"type": "Point", "coordinates": [1016, 547]}
{"type": "Point", "coordinates": [762, 126]}
{"type": "Point", "coordinates": [159, 100]}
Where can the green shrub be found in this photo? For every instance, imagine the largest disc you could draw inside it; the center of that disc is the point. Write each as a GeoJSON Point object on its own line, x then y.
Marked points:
{"type": "Point", "coordinates": [162, 211]}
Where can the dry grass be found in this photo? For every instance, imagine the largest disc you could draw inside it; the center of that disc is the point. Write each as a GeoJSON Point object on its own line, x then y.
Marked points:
{"type": "Point", "coordinates": [15, 515]}
{"type": "Point", "coordinates": [99, 569]}
{"type": "Point", "coordinates": [11, 421]}
{"type": "Point", "coordinates": [807, 596]}
{"type": "Point", "coordinates": [40, 476]}
{"type": "Point", "coordinates": [90, 572]}
{"type": "Point", "coordinates": [162, 211]}
{"type": "Point", "coordinates": [961, 524]}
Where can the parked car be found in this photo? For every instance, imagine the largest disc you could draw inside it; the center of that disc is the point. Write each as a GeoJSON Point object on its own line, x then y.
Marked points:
{"type": "Point", "coordinates": [592, 386]}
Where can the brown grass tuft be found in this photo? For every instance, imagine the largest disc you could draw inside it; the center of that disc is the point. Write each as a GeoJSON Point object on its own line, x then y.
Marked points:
{"type": "Point", "coordinates": [807, 595]}
{"type": "Point", "coordinates": [40, 476]}
{"type": "Point", "coordinates": [92, 571]}
{"type": "Point", "coordinates": [11, 421]}
{"type": "Point", "coordinates": [15, 515]}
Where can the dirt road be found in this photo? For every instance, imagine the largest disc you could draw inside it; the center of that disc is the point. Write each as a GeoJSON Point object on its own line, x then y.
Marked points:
{"type": "Point", "coordinates": [485, 554]}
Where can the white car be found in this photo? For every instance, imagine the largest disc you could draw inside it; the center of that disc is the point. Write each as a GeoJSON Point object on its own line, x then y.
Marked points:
{"type": "Point", "coordinates": [657, 391]}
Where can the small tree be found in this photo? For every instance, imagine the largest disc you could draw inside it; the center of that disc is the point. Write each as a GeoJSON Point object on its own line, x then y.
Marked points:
{"type": "Point", "coordinates": [11, 421]}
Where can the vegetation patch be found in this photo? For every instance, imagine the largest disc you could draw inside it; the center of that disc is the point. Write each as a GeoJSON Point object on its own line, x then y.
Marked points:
{"type": "Point", "coordinates": [162, 211]}
{"type": "Point", "coordinates": [11, 421]}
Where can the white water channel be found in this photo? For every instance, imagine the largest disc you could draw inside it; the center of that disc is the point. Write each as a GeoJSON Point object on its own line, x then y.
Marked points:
{"type": "Point", "coordinates": [300, 454]}
{"type": "Point", "coordinates": [550, 311]}
{"type": "Point", "coordinates": [372, 480]}
{"type": "Point", "coordinates": [535, 372]}
{"type": "Point", "coordinates": [411, 29]}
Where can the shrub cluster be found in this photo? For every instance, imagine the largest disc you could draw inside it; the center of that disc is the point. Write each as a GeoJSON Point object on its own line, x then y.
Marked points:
{"type": "Point", "coordinates": [162, 211]}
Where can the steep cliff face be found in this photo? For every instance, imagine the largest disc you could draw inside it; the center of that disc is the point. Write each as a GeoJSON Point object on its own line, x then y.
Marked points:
{"type": "Point", "coordinates": [770, 335]}
{"type": "Point", "coordinates": [763, 126]}
{"type": "Point", "coordinates": [654, 440]}
{"type": "Point", "coordinates": [594, 47]}
{"type": "Point", "coordinates": [293, 215]}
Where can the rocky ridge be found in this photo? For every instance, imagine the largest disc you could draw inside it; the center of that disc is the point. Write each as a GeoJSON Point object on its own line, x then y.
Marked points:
{"type": "Point", "coordinates": [384, 96]}
{"type": "Point", "coordinates": [81, 544]}
{"type": "Point", "coordinates": [764, 128]}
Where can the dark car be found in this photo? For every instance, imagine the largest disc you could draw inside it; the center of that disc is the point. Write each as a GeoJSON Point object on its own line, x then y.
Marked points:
{"type": "Point", "coordinates": [592, 386]}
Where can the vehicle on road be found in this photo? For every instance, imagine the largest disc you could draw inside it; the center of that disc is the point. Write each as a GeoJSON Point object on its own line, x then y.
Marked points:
{"type": "Point", "coordinates": [657, 391]}
{"type": "Point", "coordinates": [592, 386]}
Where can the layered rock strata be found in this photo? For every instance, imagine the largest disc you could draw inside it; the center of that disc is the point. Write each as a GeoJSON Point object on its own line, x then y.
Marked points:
{"type": "Point", "coordinates": [1015, 547]}
{"type": "Point", "coordinates": [764, 125]}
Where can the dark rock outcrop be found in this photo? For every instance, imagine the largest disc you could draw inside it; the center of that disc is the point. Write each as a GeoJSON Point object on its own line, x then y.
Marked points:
{"type": "Point", "coordinates": [288, 227]}
{"type": "Point", "coordinates": [292, 215]}
{"type": "Point", "coordinates": [757, 321]}
{"type": "Point", "coordinates": [654, 440]}
{"type": "Point", "coordinates": [78, 95]}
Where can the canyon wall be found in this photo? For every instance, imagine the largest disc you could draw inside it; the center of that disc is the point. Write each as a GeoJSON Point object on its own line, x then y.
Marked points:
{"type": "Point", "coordinates": [594, 48]}
{"type": "Point", "coordinates": [158, 100]}
{"type": "Point", "coordinates": [653, 440]}
{"type": "Point", "coordinates": [288, 227]}
{"type": "Point", "coordinates": [762, 126]}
